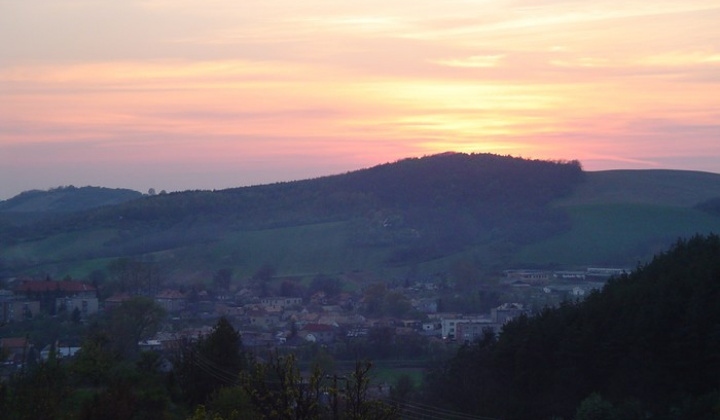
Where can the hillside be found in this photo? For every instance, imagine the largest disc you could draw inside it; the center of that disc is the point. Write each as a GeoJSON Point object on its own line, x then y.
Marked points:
{"type": "Point", "coordinates": [655, 187]}
{"type": "Point", "coordinates": [66, 199]}
{"type": "Point", "coordinates": [623, 217]}
{"type": "Point", "coordinates": [391, 215]}
{"type": "Point", "coordinates": [424, 214]}
{"type": "Point", "coordinates": [646, 346]}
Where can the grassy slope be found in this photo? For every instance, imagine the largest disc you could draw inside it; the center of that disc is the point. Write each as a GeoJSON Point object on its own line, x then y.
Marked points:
{"type": "Point", "coordinates": [618, 234]}
{"type": "Point", "coordinates": [300, 250]}
{"type": "Point", "coordinates": [662, 187]}
{"type": "Point", "coordinates": [624, 217]}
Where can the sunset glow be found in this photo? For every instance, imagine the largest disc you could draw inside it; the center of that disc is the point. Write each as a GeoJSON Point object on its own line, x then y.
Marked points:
{"type": "Point", "coordinates": [182, 95]}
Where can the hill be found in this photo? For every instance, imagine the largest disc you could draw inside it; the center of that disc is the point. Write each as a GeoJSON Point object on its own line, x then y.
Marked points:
{"type": "Point", "coordinates": [392, 215]}
{"type": "Point", "coordinates": [66, 199]}
{"type": "Point", "coordinates": [422, 215]}
{"type": "Point", "coordinates": [624, 217]}
{"type": "Point", "coordinates": [646, 346]}
{"type": "Point", "coordinates": [653, 187]}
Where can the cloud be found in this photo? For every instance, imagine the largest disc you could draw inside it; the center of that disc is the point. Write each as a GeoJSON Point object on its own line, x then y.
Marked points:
{"type": "Point", "coordinates": [474, 61]}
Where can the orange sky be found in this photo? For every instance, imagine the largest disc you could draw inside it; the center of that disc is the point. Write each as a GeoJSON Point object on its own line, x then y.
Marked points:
{"type": "Point", "coordinates": [185, 94]}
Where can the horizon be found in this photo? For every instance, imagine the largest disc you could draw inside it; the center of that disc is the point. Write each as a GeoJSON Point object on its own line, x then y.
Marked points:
{"type": "Point", "coordinates": [176, 95]}
{"type": "Point", "coordinates": [158, 190]}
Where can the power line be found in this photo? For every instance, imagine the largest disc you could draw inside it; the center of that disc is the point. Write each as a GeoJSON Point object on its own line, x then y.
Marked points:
{"type": "Point", "coordinates": [419, 408]}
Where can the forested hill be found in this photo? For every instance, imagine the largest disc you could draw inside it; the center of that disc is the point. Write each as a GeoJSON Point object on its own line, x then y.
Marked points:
{"type": "Point", "coordinates": [646, 346]}
{"type": "Point", "coordinates": [424, 206]}
{"type": "Point", "coordinates": [67, 199]}
{"type": "Point", "coordinates": [450, 180]}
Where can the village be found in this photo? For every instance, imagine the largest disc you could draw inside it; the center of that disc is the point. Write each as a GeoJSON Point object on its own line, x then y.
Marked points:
{"type": "Point", "coordinates": [408, 322]}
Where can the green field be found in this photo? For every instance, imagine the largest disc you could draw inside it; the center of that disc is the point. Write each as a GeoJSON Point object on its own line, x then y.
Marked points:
{"type": "Point", "coordinates": [617, 234]}
{"type": "Point", "coordinates": [659, 187]}
{"type": "Point", "coordinates": [292, 251]}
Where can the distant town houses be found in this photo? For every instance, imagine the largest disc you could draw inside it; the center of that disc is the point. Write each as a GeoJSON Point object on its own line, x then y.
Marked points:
{"type": "Point", "coordinates": [339, 319]}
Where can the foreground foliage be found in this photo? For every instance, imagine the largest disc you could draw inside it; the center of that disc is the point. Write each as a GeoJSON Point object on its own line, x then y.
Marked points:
{"type": "Point", "coordinates": [211, 378]}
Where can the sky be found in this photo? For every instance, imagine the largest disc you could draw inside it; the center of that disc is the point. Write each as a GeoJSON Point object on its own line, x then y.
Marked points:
{"type": "Point", "coordinates": [189, 94]}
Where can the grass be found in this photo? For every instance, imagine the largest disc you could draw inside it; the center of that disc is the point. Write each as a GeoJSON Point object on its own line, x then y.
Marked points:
{"type": "Point", "coordinates": [618, 234]}
{"type": "Point", "coordinates": [661, 187]}
{"type": "Point", "coordinates": [391, 375]}
{"type": "Point", "coordinates": [292, 251]}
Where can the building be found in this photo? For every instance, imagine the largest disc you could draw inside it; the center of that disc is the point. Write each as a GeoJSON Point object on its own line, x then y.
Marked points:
{"type": "Point", "coordinates": [318, 333]}
{"type": "Point", "coordinates": [280, 302]}
{"type": "Point", "coordinates": [449, 326]}
{"type": "Point", "coordinates": [16, 350]}
{"type": "Point", "coordinates": [529, 276]}
{"type": "Point", "coordinates": [16, 310]}
{"type": "Point", "coordinates": [475, 330]}
{"type": "Point", "coordinates": [172, 301]}
{"type": "Point", "coordinates": [85, 305]}
{"type": "Point", "coordinates": [48, 291]}
{"type": "Point", "coordinates": [507, 312]}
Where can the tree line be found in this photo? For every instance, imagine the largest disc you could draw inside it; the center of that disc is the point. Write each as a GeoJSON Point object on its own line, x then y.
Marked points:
{"type": "Point", "coordinates": [646, 346]}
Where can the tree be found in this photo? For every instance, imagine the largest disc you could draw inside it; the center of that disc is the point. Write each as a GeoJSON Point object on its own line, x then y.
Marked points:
{"type": "Point", "coordinates": [324, 283]}
{"type": "Point", "coordinates": [359, 406]}
{"type": "Point", "coordinates": [278, 392]}
{"type": "Point", "coordinates": [95, 359]}
{"type": "Point", "coordinates": [38, 393]}
{"type": "Point", "coordinates": [134, 320]}
{"type": "Point", "coordinates": [76, 316]}
{"type": "Point", "coordinates": [210, 364]}
{"type": "Point", "coordinates": [262, 277]}
{"type": "Point", "coordinates": [595, 407]}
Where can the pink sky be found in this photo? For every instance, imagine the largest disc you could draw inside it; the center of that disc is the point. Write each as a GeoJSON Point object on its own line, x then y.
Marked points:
{"type": "Point", "coordinates": [184, 94]}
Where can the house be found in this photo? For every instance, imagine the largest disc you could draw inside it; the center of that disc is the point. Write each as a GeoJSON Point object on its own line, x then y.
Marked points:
{"type": "Point", "coordinates": [15, 350]}
{"type": "Point", "coordinates": [62, 351]}
{"type": "Point", "coordinates": [48, 291]}
{"type": "Point", "coordinates": [85, 305]}
{"type": "Point", "coordinates": [606, 272]}
{"type": "Point", "coordinates": [15, 310]}
{"type": "Point", "coordinates": [172, 301]}
{"type": "Point", "coordinates": [507, 311]}
{"type": "Point", "coordinates": [263, 319]}
{"type": "Point", "coordinates": [116, 300]}
{"type": "Point", "coordinates": [529, 276]}
{"type": "Point", "coordinates": [432, 328]}
{"type": "Point", "coordinates": [425, 305]}
{"type": "Point", "coordinates": [469, 332]}
{"type": "Point", "coordinates": [450, 326]}
{"type": "Point", "coordinates": [570, 275]}
{"type": "Point", "coordinates": [318, 333]}
{"type": "Point", "coordinates": [280, 302]}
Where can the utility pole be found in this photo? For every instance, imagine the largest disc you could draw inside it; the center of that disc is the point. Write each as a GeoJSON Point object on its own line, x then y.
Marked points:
{"type": "Point", "coordinates": [334, 391]}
